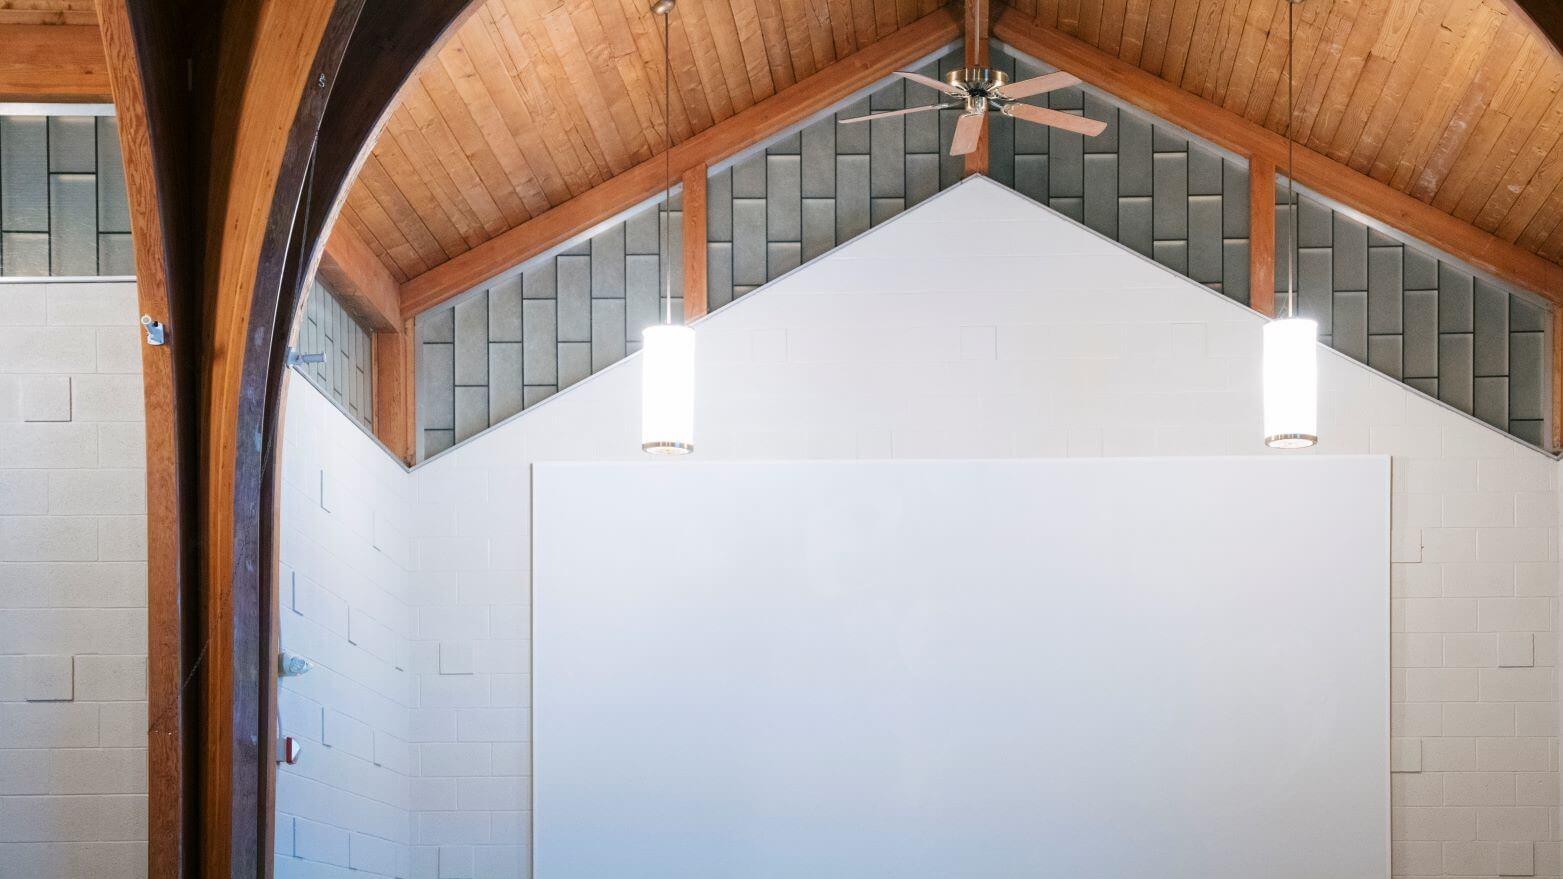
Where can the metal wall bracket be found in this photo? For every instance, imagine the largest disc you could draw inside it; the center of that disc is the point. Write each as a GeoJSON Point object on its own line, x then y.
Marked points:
{"type": "Point", "coordinates": [155, 333]}
{"type": "Point", "coordinates": [291, 665]}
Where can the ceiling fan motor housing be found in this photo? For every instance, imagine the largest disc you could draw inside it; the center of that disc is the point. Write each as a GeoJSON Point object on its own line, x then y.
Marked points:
{"type": "Point", "coordinates": [980, 82]}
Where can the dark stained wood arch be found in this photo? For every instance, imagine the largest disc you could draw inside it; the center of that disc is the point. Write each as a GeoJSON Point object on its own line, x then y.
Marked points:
{"type": "Point", "coordinates": [1545, 16]}
{"type": "Point", "coordinates": [239, 138]}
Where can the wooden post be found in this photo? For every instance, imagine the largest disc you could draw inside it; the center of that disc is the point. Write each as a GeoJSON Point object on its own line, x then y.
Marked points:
{"type": "Point", "coordinates": [1557, 378]}
{"type": "Point", "coordinates": [976, 21]}
{"type": "Point", "coordinates": [174, 762]}
{"type": "Point", "coordinates": [1261, 235]}
{"type": "Point", "coordinates": [395, 391]}
{"type": "Point", "coordinates": [694, 243]}
{"type": "Point", "coordinates": [232, 116]}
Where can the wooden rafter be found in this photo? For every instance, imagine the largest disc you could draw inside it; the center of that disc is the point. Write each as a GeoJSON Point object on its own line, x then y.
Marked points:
{"type": "Point", "coordinates": [46, 62]}
{"type": "Point", "coordinates": [360, 281]}
{"type": "Point", "coordinates": [777, 113]}
{"type": "Point", "coordinates": [1501, 258]}
{"type": "Point", "coordinates": [363, 285]}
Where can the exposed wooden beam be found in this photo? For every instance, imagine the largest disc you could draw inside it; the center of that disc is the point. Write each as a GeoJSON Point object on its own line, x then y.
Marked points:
{"type": "Point", "coordinates": [775, 114]}
{"type": "Point", "coordinates": [360, 281]}
{"type": "Point", "coordinates": [221, 107]}
{"type": "Point", "coordinates": [395, 391]}
{"type": "Point", "coordinates": [50, 62]}
{"type": "Point", "coordinates": [172, 741]}
{"type": "Point", "coordinates": [1261, 236]}
{"type": "Point", "coordinates": [976, 21]}
{"type": "Point", "coordinates": [695, 242]}
{"type": "Point", "coordinates": [1557, 380]}
{"type": "Point", "coordinates": [1503, 259]}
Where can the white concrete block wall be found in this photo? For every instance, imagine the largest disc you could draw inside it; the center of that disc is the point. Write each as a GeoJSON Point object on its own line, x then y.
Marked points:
{"type": "Point", "coordinates": [343, 809]}
{"type": "Point", "coordinates": [1047, 342]}
{"type": "Point", "coordinates": [72, 582]}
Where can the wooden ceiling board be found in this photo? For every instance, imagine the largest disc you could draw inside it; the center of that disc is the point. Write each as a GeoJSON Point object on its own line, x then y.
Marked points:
{"type": "Point", "coordinates": [77, 12]}
{"type": "Point", "coordinates": [1457, 103]}
{"type": "Point", "coordinates": [532, 103]}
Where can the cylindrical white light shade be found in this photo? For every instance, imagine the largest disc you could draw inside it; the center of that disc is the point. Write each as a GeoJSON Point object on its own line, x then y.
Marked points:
{"type": "Point", "coordinates": [667, 398]}
{"type": "Point", "coordinates": [1291, 383]}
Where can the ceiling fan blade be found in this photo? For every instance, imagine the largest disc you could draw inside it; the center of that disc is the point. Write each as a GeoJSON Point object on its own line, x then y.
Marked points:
{"type": "Point", "coordinates": [889, 113]}
{"type": "Point", "coordinates": [1038, 85]}
{"type": "Point", "coordinates": [968, 130]}
{"type": "Point", "coordinates": [935, 84]}
{"type": "Point", "coordinates": [1066, 121]}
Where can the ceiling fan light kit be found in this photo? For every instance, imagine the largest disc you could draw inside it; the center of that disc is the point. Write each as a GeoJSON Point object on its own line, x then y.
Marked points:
{"type": "Point", "coordinates": [984, 90]}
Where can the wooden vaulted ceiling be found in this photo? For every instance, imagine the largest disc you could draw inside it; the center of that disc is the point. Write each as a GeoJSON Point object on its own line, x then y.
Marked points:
{"type": "Point", "coordinates": [1454, 102]}
{"type": "Point", "coordinates": [533, 102]}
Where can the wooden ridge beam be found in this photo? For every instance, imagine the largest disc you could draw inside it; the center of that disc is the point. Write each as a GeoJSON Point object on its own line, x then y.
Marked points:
{"type": "Point", "coordinates": [53, 62]}
{"type": "Point", "coordinates": [773, 115]}
{"type": "Point", "coordinates": [1496, 256]}
{"type": "Point", "coordinates": [977, 22]}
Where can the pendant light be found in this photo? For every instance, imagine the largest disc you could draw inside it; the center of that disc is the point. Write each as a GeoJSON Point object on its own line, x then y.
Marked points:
{"type": "Point", "coordinates": [1291, 354]}
{"type": "Point", "coordinates": [667, 356]}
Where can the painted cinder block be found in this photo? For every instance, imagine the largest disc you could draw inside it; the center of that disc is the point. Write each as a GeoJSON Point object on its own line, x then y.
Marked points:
{"type": "Point", "coordinates": [1517, 859]}
{"type": "Point", "coordinates": [48, 679]}
{"type": "Point", "coordinates": [348, 734]}
{"type": "Point", "coordinates": [324, 843]}
{"type": "Point", "coordinates": [456, 658]}
{"type": "Point", "coordinates": [101, 678]}
{"type": "Point", "coordinates": [46, 398]}
{"type": "Point", "coordinates": [1477, 719]}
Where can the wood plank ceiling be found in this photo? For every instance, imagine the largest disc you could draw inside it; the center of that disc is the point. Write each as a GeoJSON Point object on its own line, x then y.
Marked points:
{"type": "Point", "coordinates": [1455, 102]}
{"type": "Point", "coordinates": [79, 12]}
{"type": "Point", "coordinates": [533, 102]}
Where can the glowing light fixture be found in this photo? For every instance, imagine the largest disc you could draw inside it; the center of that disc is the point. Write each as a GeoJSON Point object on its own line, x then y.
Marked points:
{"type": "Point", "coordinates": [667, 393]}
{"type": "Point", "coordinates": [667, 354]}
{"type": "Point", "coordinates": [1291, 354]}
{"type": "Point", "coordinates": [1291, 382]}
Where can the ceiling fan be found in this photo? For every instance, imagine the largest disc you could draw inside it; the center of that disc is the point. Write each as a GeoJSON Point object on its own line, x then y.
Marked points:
{"type": "Point", "coordinates": [983, 90]}
{"type": "Point", "coordinates": [980, 90]}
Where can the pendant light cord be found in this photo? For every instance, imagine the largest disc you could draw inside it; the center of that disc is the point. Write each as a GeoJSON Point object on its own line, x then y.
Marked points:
{"type": "Point", "coordinates": [667, 166]}
{"type": "Point", "coordinates": [1291, 180]}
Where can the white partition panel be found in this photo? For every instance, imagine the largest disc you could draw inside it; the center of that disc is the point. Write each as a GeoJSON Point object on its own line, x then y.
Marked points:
{"type": "Point", "coordinates": [1066, 668]}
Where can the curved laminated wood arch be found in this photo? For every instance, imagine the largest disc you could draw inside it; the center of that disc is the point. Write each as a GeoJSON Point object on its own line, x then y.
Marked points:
{"type": "Point", "coordinates": [238, 142]}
